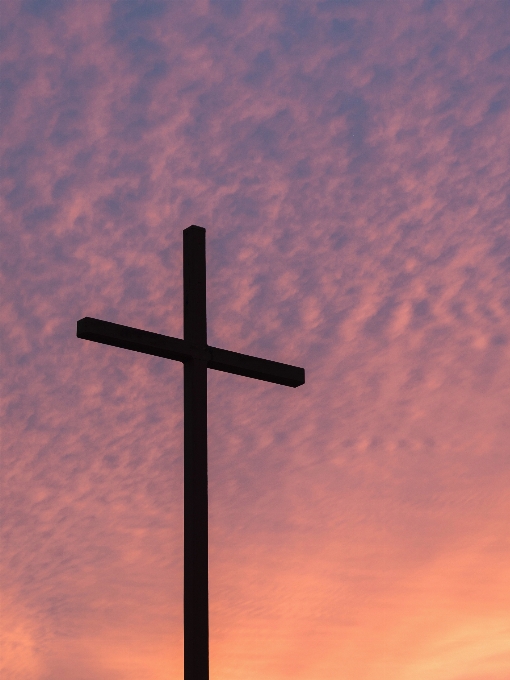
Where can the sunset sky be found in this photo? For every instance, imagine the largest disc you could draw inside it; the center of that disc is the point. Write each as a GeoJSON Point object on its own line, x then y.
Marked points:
{"type": "Point", "coordinates": [350, 161]}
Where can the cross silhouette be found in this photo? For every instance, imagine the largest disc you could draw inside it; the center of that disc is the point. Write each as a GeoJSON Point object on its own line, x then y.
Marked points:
{"type": "Point", "coordinates": [197, 356]}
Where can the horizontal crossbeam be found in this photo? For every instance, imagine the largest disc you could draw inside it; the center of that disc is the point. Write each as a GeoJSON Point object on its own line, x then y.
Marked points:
{"type": "Point", "coordinates": [115, 334]}
{"type": "Point", "coordinates": [253, 367]}
{"type": "Point", "coordinates": [158, 345]}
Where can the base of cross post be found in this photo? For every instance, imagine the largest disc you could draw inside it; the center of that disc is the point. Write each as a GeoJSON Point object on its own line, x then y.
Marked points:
{"type": "Point", "coordinates": [196, 590]}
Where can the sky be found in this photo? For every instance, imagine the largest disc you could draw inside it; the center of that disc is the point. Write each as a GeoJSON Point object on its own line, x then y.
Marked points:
{"type": "Point", "coordinates": [350, 162]}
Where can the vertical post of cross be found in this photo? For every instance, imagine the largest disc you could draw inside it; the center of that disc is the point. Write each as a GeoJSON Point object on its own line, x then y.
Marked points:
{"type": "Point", "coordinates": [196, 591]}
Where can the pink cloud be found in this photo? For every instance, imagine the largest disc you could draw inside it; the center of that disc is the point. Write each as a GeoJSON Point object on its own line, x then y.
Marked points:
{"type": "Point", "coordinates": [350, 163]}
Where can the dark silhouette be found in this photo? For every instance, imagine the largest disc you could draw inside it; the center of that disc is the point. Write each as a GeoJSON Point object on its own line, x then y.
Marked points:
{"type": "Point", "coordinates": [197, 357]}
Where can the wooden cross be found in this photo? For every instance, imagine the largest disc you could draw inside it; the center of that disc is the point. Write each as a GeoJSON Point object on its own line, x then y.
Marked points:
{"type": "Point", "coordinates": [197, 356]}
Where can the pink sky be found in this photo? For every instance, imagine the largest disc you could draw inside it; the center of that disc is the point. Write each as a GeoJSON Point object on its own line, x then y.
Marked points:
{"type": "Point", "coordinates": [350, 161]}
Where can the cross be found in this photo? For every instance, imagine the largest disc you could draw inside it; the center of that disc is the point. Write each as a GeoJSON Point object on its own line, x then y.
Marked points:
{"type": "Point", "coordinates": [197, 356]}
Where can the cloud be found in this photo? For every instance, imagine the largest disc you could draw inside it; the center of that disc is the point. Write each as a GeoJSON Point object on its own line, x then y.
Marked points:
{"type": "Point", "coordinates": [349, 161]}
